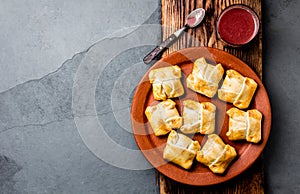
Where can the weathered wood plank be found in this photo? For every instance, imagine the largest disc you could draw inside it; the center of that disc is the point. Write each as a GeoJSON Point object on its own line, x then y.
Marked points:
{"type": "Point", "coordinates": [173, 17]}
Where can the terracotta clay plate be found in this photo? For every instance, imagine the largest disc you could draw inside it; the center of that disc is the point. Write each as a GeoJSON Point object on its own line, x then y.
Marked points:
{"type": "Point", "coordinates": [152, 146]}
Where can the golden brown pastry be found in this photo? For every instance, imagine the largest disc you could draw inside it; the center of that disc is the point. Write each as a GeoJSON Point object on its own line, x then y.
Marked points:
{"type": "Point", "coordinates": [237, 89]}
{"type": "Point", "coordinates": [163, 117]}
{"type": "Point", "coordinates": [180, 149]}
{"type": "Point", "coordinates": [205, 77]}
{"type": "Point", "coordinates": [166, 82]}
{"type": "Point", "coordinates": [215, 154]}
{"type": "Point", "coordinates": [198, 117]}
{"type": "Point", "coordinates": [244, 125]}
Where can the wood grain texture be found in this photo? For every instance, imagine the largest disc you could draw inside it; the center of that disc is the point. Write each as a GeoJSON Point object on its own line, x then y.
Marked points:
{"type": "Point", "coordinates": [173, 17]}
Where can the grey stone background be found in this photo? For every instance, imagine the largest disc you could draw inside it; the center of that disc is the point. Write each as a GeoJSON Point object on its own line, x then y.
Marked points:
{"type": "Point", "coordinates": [40, 148]}
{"type": "Point", "coordinates": [281, 68]}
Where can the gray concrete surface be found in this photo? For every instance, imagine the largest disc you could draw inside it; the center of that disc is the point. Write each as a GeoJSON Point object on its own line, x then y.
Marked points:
{"type": "Point", "coordinates": [41, 150]}
{"type": "Point", "coordinates": [38, 36]}
{"type": "Point", "coordinates": [281, 77]}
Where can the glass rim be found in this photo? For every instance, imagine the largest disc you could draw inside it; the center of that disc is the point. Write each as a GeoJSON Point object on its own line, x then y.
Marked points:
{"type": "Point", "coordinates": [254, 17]}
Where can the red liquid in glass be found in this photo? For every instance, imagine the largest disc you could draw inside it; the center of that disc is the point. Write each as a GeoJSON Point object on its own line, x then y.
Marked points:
{"type": "Point", "coordinates": [236, 26]}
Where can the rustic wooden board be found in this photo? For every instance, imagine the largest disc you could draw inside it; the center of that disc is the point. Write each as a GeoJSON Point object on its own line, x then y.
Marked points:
{"type": "Point", "coordinates": [173, 17]}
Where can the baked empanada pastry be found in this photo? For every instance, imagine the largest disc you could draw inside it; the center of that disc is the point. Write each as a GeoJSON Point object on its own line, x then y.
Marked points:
{"type": "Point", "coordinates": [180, 149]}
{"type": "Point", "coordinates": [163, 117]}
{"type": "Point", "coordinates": [166, 82]}
{"type": "Point", "coordinates": [205, 77]}
{"type": "Point", "coordinates": [237, 89]}
{"type": "Point", "coordinates": [198, 117]}
{"type": "Point", "coordinates": [215, 154]}
{"type": "Point", "coordinates": [244, 125]}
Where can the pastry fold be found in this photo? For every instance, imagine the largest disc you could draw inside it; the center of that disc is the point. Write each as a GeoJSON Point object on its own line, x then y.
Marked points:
{"type": "Point", "coordinates": [166, 82]}
{"type": "Point", "coordinates": [205, 77]}
{"type": "Point", "coordinates": [244, 125]}
{"type": "Point", "coordinates": [198, 117]}
{"type": "Point", "coordinates": [215, 154]}
{"type": "Point", "coordinates": [237, 89]}
{"type": "Point", "coordinates": [180, 149]}
{"type": "Point", "coordinates": [163, 117]}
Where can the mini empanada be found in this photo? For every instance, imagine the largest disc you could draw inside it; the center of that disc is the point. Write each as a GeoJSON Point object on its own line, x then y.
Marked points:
{"type": "Point", "coordinates": [215, 154]}
{"type": "Point", "coordinates": [205, 77]}
{"type": "Point", "coordinates": [163, 117]}
{"type": "Point", "coordinates": [180, 149]}
{"type": "Point", "coordinates": [198, 117]}
{"type": "Point", "coordinates": [244, 125]}
{"type": "Point", "coordinates": [237, 89]}
{"type": "Point", "coordinates": [166, 82]}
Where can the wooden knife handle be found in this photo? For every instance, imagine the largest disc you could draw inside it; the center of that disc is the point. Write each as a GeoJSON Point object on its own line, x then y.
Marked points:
{"type": "Point", "coordinates": [159, 49]}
